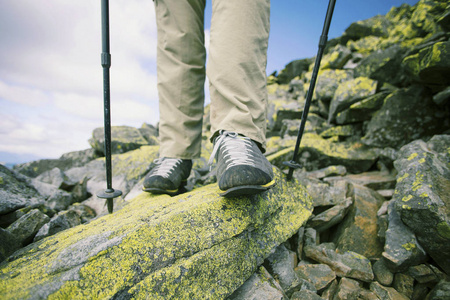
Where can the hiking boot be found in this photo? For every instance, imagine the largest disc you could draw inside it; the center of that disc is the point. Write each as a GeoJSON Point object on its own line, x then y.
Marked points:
{"type": "Point", "coordinates": [241, 167]}
{"type": "Point", "coordinates": [168, 176]}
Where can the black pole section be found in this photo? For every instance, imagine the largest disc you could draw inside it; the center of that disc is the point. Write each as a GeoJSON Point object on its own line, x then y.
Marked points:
{"type": "Point", "coordinates": [322, 43]}
{"type": "Point", "coordinates": [109, 194]}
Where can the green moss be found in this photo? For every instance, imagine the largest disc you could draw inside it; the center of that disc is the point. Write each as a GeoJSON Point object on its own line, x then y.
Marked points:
{"type": "Point", "coordinates": [444, 230]}
{"type": "Point", "coordinates": [1, 180]}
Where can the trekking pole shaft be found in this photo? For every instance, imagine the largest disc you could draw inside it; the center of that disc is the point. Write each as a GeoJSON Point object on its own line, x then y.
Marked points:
{"type": "Point", "coordinates": [322, 44]}
{"type": "Point", "coordinates": [106, 64]}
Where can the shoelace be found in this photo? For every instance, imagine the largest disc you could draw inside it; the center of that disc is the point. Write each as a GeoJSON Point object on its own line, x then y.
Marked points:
{"type": "Point", "coordinates": [165, 166]}
{"type": "Point", "coordinates": [237, 150]}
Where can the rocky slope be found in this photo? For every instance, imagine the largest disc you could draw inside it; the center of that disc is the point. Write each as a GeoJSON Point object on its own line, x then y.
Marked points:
{"type": "Point", "coordinates": [373, 224]}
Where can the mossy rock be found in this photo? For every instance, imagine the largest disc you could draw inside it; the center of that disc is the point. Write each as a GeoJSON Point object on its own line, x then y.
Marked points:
{"type": "Point", "coordinates": [362, 110]}
{"type": "Point", "coordinates": [316, 153]}
{"type": "Point", "coordinates": [382, 65]}
{"type": "Point", "coordinates": [293, 69]}
{"type": "Point", "coordinates": [376, 26]}
{"type": "Point", "coordinates": [328, 82]}
{"type": "Point", "coordinates": [194, 245]}
{"type": "Point", "coordinates": [123, 139]}
{"type": "Point", "coordinates": [350, 92]}
{"type": "Point", "coordinates": [406, 115]}
{"type": "Point", "coordinates": [430, 65]}
{"type": "Point", "coordinates": [422, 195]}
{"type": "Point", "coordinates": [336, 58]}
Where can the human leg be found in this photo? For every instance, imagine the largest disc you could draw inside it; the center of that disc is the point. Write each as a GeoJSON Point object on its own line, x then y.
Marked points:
{"type": "Point", "coordinates": [237, 74]}
{"type": "Point", "coordinates": [181, 74]}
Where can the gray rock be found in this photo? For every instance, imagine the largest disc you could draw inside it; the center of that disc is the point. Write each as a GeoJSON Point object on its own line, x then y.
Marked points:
{"type": "Point", "coordinates": [424, 273]}
{"type": "Point", "coordinates": [60, 200]}
{"type": "Point", "coordinates": [347, 289]}
{"type": "Point", "coordinates": [440, 292]}
{"type": "Point", "coordinates": [382, 65]}
{"type": "Point", "coordinates": [442, 98]}
{"type": "Point", "coordinates": [401, 249]}
{"type": "Point", "coordinates": [348, 264]}
{"type": "Point", "coordinates": [406, 115]}
{"type": "Point", "coordinates": [15, 192]}
{"type": "Point", "coordinates": [62, 221]}
{"type": "Point", "coordinates": [386, 293]}
{"type": "Point", "coordinates": [331, 216]}
{"type": "Point", "coordinates": [85, 212]}
{"type": "Point", "coordinates": [320, 275]}
{"type": "Point", "coordinates": [8, 244]}
{"type": "Point", "coordinates": [65, 162]}
{"type": "Point", "coordinates": [123, 139]}
{"type": "Point", "coordinates": [376, 180]}
{"type": "Point", "coordinates": [305, 295]}
{"type": "Point", "coordinates": [420, 292]}
{"type": "Point", "coordinates": [260, 285]}
{"type": "Point", "coordinates": [150, 133]}
{"type": "Point", "coordinates": [431, 65]}
{"type": "Point", "coordinates": [328, 83]}
{"type": "Point", "coordinates": [375, 26]}
{"type": "Point", "coordinates": [281, 265]}
{"type": "Point", "coordinates": [362, 110]}
{"type": "Point", "coordinates": [350, 92]}
{"type": "Point", "coordinates": [422, 196]}
{"type": "Point", "coordinates": [404, 284]}
{"type": "Point", "coordinates": [293, 69]}
{"type": "Point", "coordinates": [337, 57]}
{"type": "Point", "coordinates": [26, 227]}
{"type": "Point", "coordinates": [328, 171]}
{"type": "Point", "coordinates": [358, 231]}
{"type": "Point", "coordinates": [57, 178]}
{"type": "Point", "coordinates": [222, 245]}
{"type": "Point", "coordinates": [382, 274]}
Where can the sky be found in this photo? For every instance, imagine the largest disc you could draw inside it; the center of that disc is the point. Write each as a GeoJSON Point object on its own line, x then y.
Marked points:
{"type": "Point", "coordinates": [51, 77]}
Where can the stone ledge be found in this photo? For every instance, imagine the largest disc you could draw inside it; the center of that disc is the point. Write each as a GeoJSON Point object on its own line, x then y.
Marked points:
{"type": "Point", "coordinates": [160, 247]}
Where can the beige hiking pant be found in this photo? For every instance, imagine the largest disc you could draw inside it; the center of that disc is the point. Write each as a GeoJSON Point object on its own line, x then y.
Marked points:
{"type": "Point", "coordinates": [236, 70]}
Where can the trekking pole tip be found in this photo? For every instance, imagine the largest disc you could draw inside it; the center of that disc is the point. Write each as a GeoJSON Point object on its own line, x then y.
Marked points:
{"type": "Point", "coordinates": [109, 195]}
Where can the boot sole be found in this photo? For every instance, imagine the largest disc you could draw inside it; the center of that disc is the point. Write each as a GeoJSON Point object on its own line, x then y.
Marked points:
{"type": "Point", "coordinates": [247, 189]}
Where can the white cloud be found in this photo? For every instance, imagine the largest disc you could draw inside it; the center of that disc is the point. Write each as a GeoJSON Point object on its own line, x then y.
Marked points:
{"type": "Point", "coordinates": [23, 95]}
{"type": "Point", "coordinates": [51, 77]}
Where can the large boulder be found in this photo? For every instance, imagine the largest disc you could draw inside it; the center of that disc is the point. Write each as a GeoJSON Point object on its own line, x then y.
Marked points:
{"type": "Point", "coordinates": [406, 115]}
{"type": "Point", "coordinates": [187, 246]}
{"type": "Point", "coordinates": [123, 139]}
{"type": "Point", "coordinates": [422, 195]}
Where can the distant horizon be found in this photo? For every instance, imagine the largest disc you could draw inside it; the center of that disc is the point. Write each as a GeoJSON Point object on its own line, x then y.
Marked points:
{"type": "Point", "coordinates": [50, 73]}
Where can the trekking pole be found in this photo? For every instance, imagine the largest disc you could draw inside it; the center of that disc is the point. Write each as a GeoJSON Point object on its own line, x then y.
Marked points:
{"type": "Point", "coordinates": [322, 43]}
{"type": "Point", "coordinates": [109, 194]}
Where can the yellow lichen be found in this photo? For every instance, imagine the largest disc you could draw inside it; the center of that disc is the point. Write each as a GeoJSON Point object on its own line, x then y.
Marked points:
{"type": "Point", "coordinates": [407, 198]}
{"type": "Point", "coordinates": [413, 155]}
{"type": "Point", "coordinates": [403, 177]}
{"type": "Point", "coordinates": [409, 246]}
